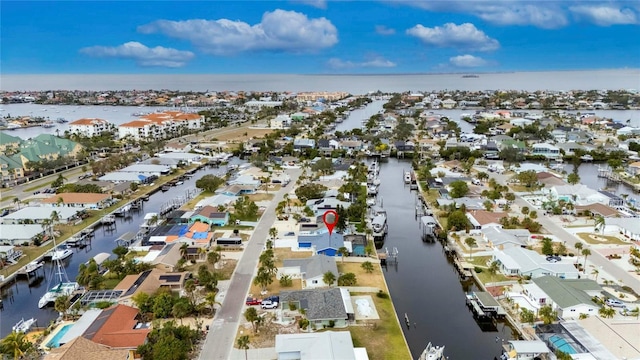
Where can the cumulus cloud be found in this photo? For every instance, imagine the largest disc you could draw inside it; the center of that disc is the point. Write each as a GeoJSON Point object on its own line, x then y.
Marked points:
{"type": "Point", "coordinates": [143, 55]}
{"type": "Point", "coordinates": [383, 30]}
{"type": "Point", "coordinates": [320, 4]}
{"type": "Point", "coordinates": [465, 36]}
{"type": "Point", "coordinates": [467, 61]}
{"type": "Point", "coordinates": [543, 14]}
{"type": "Point", "coordinates": [373, 62]}
{"type": "Point", "coordinates": [279, 30]}
{"type": "Point", "coordinates": [604, 15]}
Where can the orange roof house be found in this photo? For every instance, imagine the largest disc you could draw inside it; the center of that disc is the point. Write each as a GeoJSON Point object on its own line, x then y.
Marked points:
{"type": "Point", "coordinates": [118, 327]}
{"type": "Point", "coordinates": [481, 219]}
{"type": "Point", "coordinates": [84, 200]}
{"type": "Point", "coordinates": [81, 348]}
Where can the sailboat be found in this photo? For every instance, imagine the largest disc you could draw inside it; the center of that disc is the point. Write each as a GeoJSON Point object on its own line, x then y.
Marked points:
{"type": "Point", "coordinates": [64, 287]}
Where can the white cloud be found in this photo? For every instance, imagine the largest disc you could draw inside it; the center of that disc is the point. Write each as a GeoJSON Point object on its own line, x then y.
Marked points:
{"type": "Point", "coordinates": [543, 14]}
{"type": "Point", "coordinates": [143, 55]}
{"type": "Point", "coordinates": [465, 36]}
{"type": "Point", "coordinates": [604, 15]}
{"type": "Point", "coordinates": [320, 4]}
{"type": "Point", "coordinates": [383, 30]}
{"type": "Point", "coordinates": [373, 62]}
{"type": "Point", "coordinates": [467, 61]}
{"type": "Point", "coordinates": [279, 30]}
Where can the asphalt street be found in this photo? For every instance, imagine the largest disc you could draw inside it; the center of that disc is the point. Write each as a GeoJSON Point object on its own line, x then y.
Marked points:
{"type": "Point", "coordinates": [222, 333]}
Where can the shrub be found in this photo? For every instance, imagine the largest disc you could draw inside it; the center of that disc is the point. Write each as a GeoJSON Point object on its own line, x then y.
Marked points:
{"type": "Point", "coordinates": [332, 323]}
{"type": "Point", "coordinates": [286, 281]}
{"type": "Point", "coordinates": [292, 307]}
{"type": "Point", "coordinates": [478, 270]}
{"type": "Point", "coordinates": [303, 324]}
{"type": "Point", "coordinates": [382, 295]}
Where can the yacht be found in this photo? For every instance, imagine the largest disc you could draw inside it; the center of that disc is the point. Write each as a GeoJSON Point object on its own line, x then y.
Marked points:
{"type": "Point", "coordinates": [61, 254]}
{"type": "Point", "coordinates": [64, 286]}
{"type": "Point", "coordinates": [23, 325]}
{"type": "Point", "coordinates": [432, 353]}
{"type": "Point", "coordinates": [407, 177]}
{"type": "Point", "coordinates": [33, 266]}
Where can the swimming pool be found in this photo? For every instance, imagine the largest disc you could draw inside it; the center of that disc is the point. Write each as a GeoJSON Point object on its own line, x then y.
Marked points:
{"type": "Point", "coordinates": [55, 340]}
{"type": "Point", "coordinates": [561, 344]}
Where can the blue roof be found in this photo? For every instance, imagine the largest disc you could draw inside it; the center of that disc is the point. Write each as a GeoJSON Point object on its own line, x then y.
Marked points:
{"type": "Point", "coordinates": [323, 241]}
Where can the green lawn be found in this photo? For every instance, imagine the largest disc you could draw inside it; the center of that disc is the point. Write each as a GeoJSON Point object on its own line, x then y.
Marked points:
{"type": "Point", "coordinates": [610, 240]}
{"type": "Point", "coordinates": [484, 276]}
{"type": "Point", "coordinates": [383, 338]}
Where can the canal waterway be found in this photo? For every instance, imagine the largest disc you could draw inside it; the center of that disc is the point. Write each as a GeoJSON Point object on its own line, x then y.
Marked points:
{"type": "Point", "coordinates": [425, 284]}
{"type": "Point", "coordinates": [21, 300]}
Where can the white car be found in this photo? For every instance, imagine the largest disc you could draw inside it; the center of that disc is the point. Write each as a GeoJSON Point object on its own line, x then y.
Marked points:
{"type": "Point", "coordinates": [615, 303]}
{"type": "Point", "coordinates": [268, 304]}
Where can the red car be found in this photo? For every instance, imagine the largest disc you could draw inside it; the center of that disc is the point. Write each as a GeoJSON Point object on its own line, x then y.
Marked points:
{"type": "Point", "coordinates": [253, 301]}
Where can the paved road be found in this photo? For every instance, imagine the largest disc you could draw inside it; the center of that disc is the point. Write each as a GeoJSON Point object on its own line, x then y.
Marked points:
{"type": "Point", "coordinates": [222, 333]}
{"type": "Point", "coordinates": [595, 259]}
{"type": "Point", "coordinates": [19, 191]}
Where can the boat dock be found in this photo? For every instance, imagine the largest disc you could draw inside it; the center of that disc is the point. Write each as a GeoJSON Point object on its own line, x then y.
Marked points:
{"type": "Point", "coordinates": [484, 306]}
{"type": "Point", "coordinates": [463, 268]}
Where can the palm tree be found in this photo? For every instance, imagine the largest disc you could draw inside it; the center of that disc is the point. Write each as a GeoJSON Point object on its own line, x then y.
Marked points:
{"type": "Point", "coordinates": [367, 266]}
{"type": "Point", "coordinates": [607, 312]}
{"type": "Point", "coordinates": [17, 344]}
{"type": "Point", "coordinates": [213, 258]}
{"type": "Point", "coordinates": [243, 344]}
{"type": "Point", "coordinates": [578, 247]}
{"type": "Point", "coordinates": [55, 217]}
{"type": "Point", "coordinates": [184, 250]}
{"type": "Point", "coordinates": [273, 232]}
{"type": "Point", "coordinates": [343, 251]}
{"type": "Point", "coordinates": [210, 299]}
{"type": "Point", "coordinates": [46, 226]}
{"type": "Point", "coordinates": [471, 243]}
{"type": "Point", "coordinates": [595, 272]}
{"type": "Point", "coordinates": [585, 252]}
{"type": "Point", "coordinates": [62, 304]}
{"type": "Point", "coordinates": [328, 278]}
{"type": "Point", "coordinates": [16, 202]}
{"type": "Point", "coordinates": [599, 224]}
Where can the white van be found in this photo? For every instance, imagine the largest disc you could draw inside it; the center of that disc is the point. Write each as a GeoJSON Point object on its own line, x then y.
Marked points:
{"type": "Point", "coordinates": [475, 181]}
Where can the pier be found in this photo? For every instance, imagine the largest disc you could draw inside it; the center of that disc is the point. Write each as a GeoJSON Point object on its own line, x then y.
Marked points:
{"type": "Point", "coordinates": [484, 306]}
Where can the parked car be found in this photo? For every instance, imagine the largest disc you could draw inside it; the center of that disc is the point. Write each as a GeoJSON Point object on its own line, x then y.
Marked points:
{"type": "Point", "coordinates": [290, 233]}
{"type": "Point", "coordinates": [273, 298]}
{"type": "Point", "coordinates": [553, 258]}
{"type": "Point", "coordinates": [615, 303]}
{"type": "Point", "coordinates": [305, 220]}
{"type": "Point", "coordinates": [268, 304]}
{"type": "Point", "coordinates": [253, 301]}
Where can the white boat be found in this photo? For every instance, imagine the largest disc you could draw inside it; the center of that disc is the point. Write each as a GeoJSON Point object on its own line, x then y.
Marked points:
{"type": "Point", "coordinates": [64, 287]}
{"type": "Point", "coordinates": [61, 254]}
{"type": "Point", "coordinates": [48, 124]}
{"type": "Point", "coordinates": [586, 157]}
{"type": "Point", "coordinates": [33, 266]}
{"type": "Point", "coordinates": [407, 177]}
{"type": "Point", "coordinates": [13, 126]}
{"type": "Point", "coordinates": [371, 202]}
{"type": "Point", "coordinates": [432, 353]}
{"type": "Point", "coordinates": [23, 325]}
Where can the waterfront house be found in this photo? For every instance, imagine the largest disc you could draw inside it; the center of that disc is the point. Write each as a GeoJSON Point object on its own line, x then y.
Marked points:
{"type": "Point", "coordinates": [501, 239]}
{"type": "Point", "coordinates": [358, 244]}
{"type": "Point", "coordinates": [91, 201]}
{"type": "Point", "coordinates": [149, 282]}
{"type": "Point", "coordinates": [303, 143]}
{"type": "Point", "coordinates": [36, 214]}
{"type": "Point", "coordinates": [525, 349]}
{"type": "Point", "coordinates": [119, 327]}
{"type": "Point", "coordinates": [517, 261]}
{"type": "Point", "coordinates": [320, 242]}
{"type": "Point", "coordinates": [238, 190]}
{"type": "Point", "coordinates": [569, 297]}
{"type": "Point", "coordinates": [18, 234]}
{"type": "Point", "coordinates": [164, 161]}
{"type": "Point", "coordinates": [311, 270]}
{"type": "Point", "coordinates": [327, 345]}
{"type": "Point", "coordinates": [469, 202]}
{"type": "Point", "coordinates": [9, 254]}
{"type": "Point", "coordinates": [547, 150]}
{"type": "Point", "coordinates": [482, 219]}
{"type": "Point", "coordinates": [211, 216]}
{"type": "Point", "coordinates": [548, 179]}
{"type": "Point", "coordinates": [177, 146]}
{"type": "Point", "coordinates": [81, 348]}
{"type": "Point", "coordinates": [245, 180]}
{"type": "Point", "coordinates": [90, 127]}
{"type": "Point", "coordinates": [578, 194]}
{"type": "Point", "coordinates": [147, 169]}
{"type": "Point", "coordinates": [597, 209]}
{"type": "Point", "coordinates": [322, 306]}
{"type": "Point", "coordinates": [118, 177]}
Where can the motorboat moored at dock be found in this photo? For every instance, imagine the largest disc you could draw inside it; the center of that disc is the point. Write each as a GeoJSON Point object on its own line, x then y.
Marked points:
{"type": "Point", "coordinates": [432, 352]}
{"type": "Point", "coordinates": [23, 326]}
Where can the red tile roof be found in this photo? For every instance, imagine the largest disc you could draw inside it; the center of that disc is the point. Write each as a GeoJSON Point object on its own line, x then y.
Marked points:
{"type": "Point", "coordinates": [115, 327]}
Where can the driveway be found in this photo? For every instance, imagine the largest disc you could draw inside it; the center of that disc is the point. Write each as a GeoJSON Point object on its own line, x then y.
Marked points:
{"type": "Point", "coordinates": [222, 333]}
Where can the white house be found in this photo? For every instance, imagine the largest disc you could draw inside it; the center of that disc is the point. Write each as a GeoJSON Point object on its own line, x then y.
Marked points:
{"type": "Point", "coordinates": [517, 261]}
{"type": "Point", "coordinates": [448, 104]}
{"type": "Point", "coordinates": [90, 127]}
{"type": "Point", "coordinates": [327, 345]}
{"type": "Point", "coordinates": [546, 150]}
{"type": "Point", "coordinates": [17, 234]}
{"type": "Point", "coordinates": [39, 213]}
{"type": "Point", "coordinates": [578, 194]}
{"type": "Point", "coordinates": [482, 219]}
{"type": "Point", "coordinates": [311, 270]}
{"type": "Point", "coordinates": [629, 228]}
{"type": "Point", "coordinates": [570, 298]}
{"type": "Point", "coordinates": [500, 239]}
{"type": "Point", "coordinates": [280, 122]}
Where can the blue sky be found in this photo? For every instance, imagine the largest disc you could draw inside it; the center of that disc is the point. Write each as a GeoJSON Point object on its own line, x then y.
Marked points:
{"type": "Point", "coordinates": [317, 37]}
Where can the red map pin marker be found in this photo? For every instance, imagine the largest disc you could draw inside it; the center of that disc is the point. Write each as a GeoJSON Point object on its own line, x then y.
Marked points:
{"type": "Point", "coordinates": [330, 219]}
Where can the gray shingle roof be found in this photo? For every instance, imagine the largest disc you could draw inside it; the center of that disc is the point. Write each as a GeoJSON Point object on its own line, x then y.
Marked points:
{"type": "Point", "coordinates": [567, 293]}
{"type": "Point", "coordinates": [319, 304]}
{"type": "Point", "coordinates": [314, 266]}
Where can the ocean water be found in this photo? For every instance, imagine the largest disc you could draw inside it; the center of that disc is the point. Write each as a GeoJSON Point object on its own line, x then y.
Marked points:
{"type": "Point", "coordinates": [355, 84]}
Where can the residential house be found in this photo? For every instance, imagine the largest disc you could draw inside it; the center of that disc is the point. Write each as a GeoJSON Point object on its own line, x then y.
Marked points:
{"type": "Point", "coordinates": [176, 146]}
{"type": "Point", "coordinates": [578, 194]}
{"type": "Point", "coordinates": [147, 169]}
{"type": "Point", "coordinates": [280, 122]}
{"type": "Point", "coordinates": [448, 104]}
{"type": "Point", "coordinates": [517, 261]}
{"type": "Point", "coordinates": [352, 145]}
{"type": "Point", "coordinates": [615, 201]}
{"type": "Point", "coordinates": [547, 150]}
{"type": "Point", "coordinates": [11, 169]}
{"type": "Point", "coordinates": [36, 214]}
{"type": "Point", "coordinates": [320, 206]}
{"type": "Point", "coordinates": [501, 239]}
{"type": "Point", "coordinates": [482, 219]}
{"type": "Point", "coordinates": [9, 254]}
{"type": "Point", "coordinates": [628, 228]}
{"type": "Point", "coordinates": [358, 244]}
{"type": "Point", "coordinates": [571, 298]}
{"type": "Point", "coordinates": [91, 201]}
{"type": "Point", "coordinates": [322, 243]}
{"type": "Point", "coordinates": [549, 179]}
{"type": "Point", "coordinates": [597, 209]}
{"type": "Point", "coordinates": [311, 270]}
{"type": "Point", "coordinates": [404, 146]}
{"type": "Point", "coordinates": [211, 216]}
{"type": "Point", "coordinates": [303, 143]}
{"type": "Point", "coordinates": [39, 148]}
{"type": "Point", "coordinates": [237, 190]}
{"type": "Point", "coordinates": [18, 234]}
{"type": "Point", "coordinates": [525, 349]}
{"type": "Point", "coordinates": [119, 327]}
{"type": "Point", "coordinates": [149, 282]}
{"type": "Point", "coordinates": [167, 259]}
{"type": "Point", "coordinates": [469, 202]}
{"type": "Point", "coordinates": [326, 345]}
{"type": "Point", "coordinates": [90, 127]}
{"type": "Point", "coordinates": [81, 348]}
{"type": "Point", "coordinates": [246, 180]}
{"type": "Point", "coordinates": [634, 168]}
{"type": "Point", "coordinates": [322, 306]}
{"type": "Point", "coordinates": [579, 136]}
